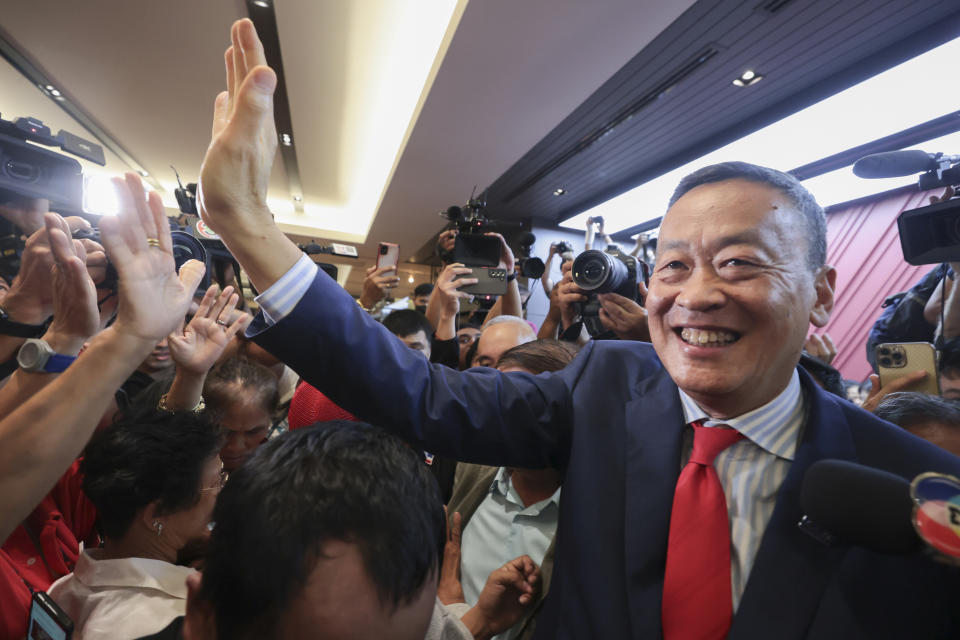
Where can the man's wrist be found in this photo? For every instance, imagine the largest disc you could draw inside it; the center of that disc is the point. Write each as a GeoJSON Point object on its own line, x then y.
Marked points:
{"type": "Point", "coordinates": [477, 623]}
{"type": "Point", "coordinates": [24, 308]}
{"type": "Point", "coordinates": [63, 343]}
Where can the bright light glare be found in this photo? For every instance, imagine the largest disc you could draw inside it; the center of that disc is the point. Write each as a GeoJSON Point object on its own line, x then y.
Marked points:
{"type": "Point", "coordinates": [899, 98]}
{"type": "Point", "coordinates": [100, 196]}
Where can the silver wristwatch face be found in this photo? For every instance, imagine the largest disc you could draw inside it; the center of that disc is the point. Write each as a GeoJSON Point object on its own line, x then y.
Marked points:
{"type": "Point", "coordinates": [32, 355]}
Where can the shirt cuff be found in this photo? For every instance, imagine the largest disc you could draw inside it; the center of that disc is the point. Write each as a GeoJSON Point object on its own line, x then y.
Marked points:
{"type": "Point", "coordinates": [282, 296]}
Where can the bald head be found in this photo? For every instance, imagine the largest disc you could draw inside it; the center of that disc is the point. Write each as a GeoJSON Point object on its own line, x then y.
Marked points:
{"type": "Point", "coordinates": [502, 333]}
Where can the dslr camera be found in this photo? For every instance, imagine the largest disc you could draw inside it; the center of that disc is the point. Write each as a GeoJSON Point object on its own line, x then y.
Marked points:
{"type": "Point", "coordinates": [610, 271]}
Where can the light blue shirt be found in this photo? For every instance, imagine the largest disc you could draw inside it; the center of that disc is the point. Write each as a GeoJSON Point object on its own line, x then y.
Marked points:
{"type": "Point", "coordinates": [752, 470]}
{"type": "Point", "coordinates": [500, 530]}
{"type": "Point", "coordinates": [282, 296]}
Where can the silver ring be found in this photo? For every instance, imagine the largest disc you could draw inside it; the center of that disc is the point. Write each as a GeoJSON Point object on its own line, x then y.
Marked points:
{"type": "Point", "coordinates": [222, 324]}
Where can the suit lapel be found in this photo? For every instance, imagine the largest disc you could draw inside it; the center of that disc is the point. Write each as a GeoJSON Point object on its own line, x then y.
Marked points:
{"type": "Point", "coordinates": [792, 569]}
{"type": "Point", "coordinates": [654, 429]}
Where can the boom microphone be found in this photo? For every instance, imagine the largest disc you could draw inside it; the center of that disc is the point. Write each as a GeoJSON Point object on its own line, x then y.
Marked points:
{"type": "Point", "coordinates": [894, 164]}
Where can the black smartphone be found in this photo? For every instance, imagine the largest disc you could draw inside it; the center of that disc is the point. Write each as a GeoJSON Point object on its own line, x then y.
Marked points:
{"type": "Point", "coordinates": [47, 620]}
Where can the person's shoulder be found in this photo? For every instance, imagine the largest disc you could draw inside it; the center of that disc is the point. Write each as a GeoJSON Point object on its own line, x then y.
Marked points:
{"type": "Point", "coordinates": [630, 354]}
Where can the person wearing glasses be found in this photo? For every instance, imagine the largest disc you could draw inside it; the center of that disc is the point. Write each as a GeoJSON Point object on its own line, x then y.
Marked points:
{"type": "Point", "coordinates": [154, 478]}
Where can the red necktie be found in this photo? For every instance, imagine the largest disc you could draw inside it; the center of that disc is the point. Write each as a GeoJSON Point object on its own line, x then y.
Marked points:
{"type": "Point", "coordinates": [697, 601]}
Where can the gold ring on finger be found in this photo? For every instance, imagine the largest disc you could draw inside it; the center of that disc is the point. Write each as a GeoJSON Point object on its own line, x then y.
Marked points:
{"type": "Point", "coordinates": [153, 242]}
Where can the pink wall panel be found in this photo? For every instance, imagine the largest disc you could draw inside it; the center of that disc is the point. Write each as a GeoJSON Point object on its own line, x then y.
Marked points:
{"type": "Point", "coordinates": [864, 246]}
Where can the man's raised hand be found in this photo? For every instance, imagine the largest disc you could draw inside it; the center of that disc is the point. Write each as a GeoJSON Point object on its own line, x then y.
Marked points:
{"type": "Point", "coordinates": [197, 346]}
{"type": "Point", "coordinates": [233, 183]}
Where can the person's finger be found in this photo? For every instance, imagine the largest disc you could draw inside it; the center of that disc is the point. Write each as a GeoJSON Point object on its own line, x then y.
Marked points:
{"type": "Point", "coordinates": [239, 71]}
{"type": "Point", "coordinates": [455, 529]}
{"type": "Point", "coordinates": [238, 325]}
{"type": "Point", "coordinates": [226, 315]}
{"type": "Point", "coordinates": [830, 345]}
{"type": "Point", "coordinates": [203, 309]}
{"type": "Point", "coordinates": [901, 383]}
{"type": "Point", "coordinates": [147, 221]}
{"type": "Point", "coordinates": [112, 235]}
{"type": "Point", "coordinates": [128, 220]}
{"type": "Point", "coordinates": [231, 71]}
{"type": "Point", "coordinates": [60, 243]}
{"type": "Point", "coordinates": [371, 270]}
{"type": "Point", "coordinates": [221, 113]}
{"type": "Point", "coordinates": [221, 303]}
{"type": "Point", "coordinates": [162, 225]}
{"type": "Point", "coordinates": [253, 104]}
{"type": "Point", "coordinates": [253, 55]}
{"type": "Point", "coordinates": [76, 223]}
{"type": "Point", "coordinates": [643, 291]}
{"type": "Point", "coordinates": [191, 273]}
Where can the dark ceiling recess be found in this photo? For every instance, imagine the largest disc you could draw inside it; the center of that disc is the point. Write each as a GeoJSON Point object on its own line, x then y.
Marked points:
{"type": "Point", "coordinates": [265, 20]}
{"type": "Point", "coordinates": [806, 50]}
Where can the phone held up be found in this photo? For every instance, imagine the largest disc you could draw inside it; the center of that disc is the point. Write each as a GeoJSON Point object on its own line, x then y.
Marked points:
{"type": "Point", "coordinates": [897, 360]}
{"type": "Point", "coordinates": [388, 255]}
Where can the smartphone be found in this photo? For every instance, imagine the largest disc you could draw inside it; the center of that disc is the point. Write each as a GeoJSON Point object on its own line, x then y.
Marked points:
{"type": "Point", "coordinates": [896, 360]}
{"type": "Point", "coordinates": [47, 620]}
{"type": "Point", "coordinates": [388, 255]}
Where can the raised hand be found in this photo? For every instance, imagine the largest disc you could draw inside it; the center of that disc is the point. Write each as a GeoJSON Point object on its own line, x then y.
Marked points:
{"type": "Point", "coordinates": [623, 316]}
{"type": "Point", "coordinates": [506, 254]}
{"type": "Point", "coordinates": [447, 288]}
{"type": "Point", "coordinates": [568, 295]}
{"type": "Point", "coordinates": [152, 298]}
{"type": "Point", "coordinates": [196, 348]}
{"type": "Point", "coordinates": [75, 314]}
{"type": "Point", "coordinates": [232, 191]}
{"type": "Point", "coordinates": [377, 284]}
{"type": "Point", "coordinates": [509, 592]}
{"type": "Point", "coordinates": [821, 347]}
{"type": "Point", "coordinates": [449, 589]}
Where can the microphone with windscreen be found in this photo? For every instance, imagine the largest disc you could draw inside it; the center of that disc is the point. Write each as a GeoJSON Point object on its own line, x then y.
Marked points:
{"type": "Point", "coordinates": [860, 506]}
{"type": "Point", "coordinates": [893, 164]}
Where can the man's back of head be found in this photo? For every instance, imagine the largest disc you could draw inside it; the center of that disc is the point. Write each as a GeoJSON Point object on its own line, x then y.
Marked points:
{"type": "Point", "coordinates": [929, 417]}
{"type": "Point", "coordinates": [325, 531]}
{"type": "Point", "coordinates": [499, 335]}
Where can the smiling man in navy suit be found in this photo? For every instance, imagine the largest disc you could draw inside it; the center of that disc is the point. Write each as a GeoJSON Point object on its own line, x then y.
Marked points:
{"type": "Point", "coordinates": [682, 461]}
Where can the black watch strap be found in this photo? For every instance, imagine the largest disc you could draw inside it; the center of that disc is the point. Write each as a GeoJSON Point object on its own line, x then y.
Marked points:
{"type": "Point", "coordinates": [9, 327]}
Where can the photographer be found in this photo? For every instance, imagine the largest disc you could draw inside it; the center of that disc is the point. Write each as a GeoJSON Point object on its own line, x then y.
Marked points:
{"type": "Point", "coordinates": [56, 414]}
{"type": "Point", "coordinates": [625, 318]}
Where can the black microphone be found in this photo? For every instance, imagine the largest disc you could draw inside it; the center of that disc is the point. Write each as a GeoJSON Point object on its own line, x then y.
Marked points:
{"type": "Point", "coordinates": [893, 164]}
{"type": "Point", "coordinates": [861, 506]}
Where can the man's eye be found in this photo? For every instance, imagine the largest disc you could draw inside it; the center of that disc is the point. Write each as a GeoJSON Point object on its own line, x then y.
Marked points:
{"type": "Point", "coordinates": [737, 262]}
{"type": "Point", "coordinates": [674, 264]}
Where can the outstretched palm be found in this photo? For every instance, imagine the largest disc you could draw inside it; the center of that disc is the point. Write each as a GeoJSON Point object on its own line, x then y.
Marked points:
{"type": "Point", "coordinates": [196, 348]}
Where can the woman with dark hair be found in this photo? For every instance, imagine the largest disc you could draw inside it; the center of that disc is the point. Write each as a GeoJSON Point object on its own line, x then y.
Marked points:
{"type": "Point", "coordinates": [241, 396]}
{"type": "Point", "coordinates": [154, 478]}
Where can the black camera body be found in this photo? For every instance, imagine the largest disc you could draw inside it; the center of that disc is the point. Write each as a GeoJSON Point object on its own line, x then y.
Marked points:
{"type": "Point", "coordinates": [610, 271]}
{"type": "Point", "coordinates": [30, 171]}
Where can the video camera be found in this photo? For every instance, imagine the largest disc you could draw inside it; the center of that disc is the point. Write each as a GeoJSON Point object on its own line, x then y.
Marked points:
{"type": "Point", "coordinates": [930, 234]}
{"type": "Point", "coordinates": [610, 271]}
{"type": "Point", "coordinates": [473, 249]}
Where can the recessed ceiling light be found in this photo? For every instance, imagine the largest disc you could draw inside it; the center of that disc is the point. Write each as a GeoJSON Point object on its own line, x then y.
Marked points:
{"type": "Point", "coordinates": [410, 279]}
{"type": "Point", "coordinates": [747, 78]}
{"type": "Point", "coordinates": [298, 198]}
{"type": "Point", "coordinates": [286, 139]}
{"type": "Point", "coordinates": [143, 173]}
{"type": "Point", "coordinates": [262, 3]}
{"type": "Point", "coordinates": [559, 191]}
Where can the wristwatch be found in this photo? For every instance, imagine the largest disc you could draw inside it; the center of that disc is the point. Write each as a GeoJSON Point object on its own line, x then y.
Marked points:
{"type": "Point", "coordinates": [10, 327]}
{"type": "Point", "coordinates": [36, 355]}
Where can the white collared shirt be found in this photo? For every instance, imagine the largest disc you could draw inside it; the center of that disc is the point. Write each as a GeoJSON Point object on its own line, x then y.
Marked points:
{"type": "Point", "coordinates": [752, 469]}
{"type": "Point", "coordinates": [502, 529]}
{"type": "Point", "coordinates": [122, 598]}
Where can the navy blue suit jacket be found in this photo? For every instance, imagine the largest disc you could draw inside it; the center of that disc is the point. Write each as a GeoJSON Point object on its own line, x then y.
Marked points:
{"type": "Point", "coordinates": [612, 422]}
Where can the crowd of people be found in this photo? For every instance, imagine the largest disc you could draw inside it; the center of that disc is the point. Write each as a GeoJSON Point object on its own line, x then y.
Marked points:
{"type": "Point", "coordinates": [174, 466]}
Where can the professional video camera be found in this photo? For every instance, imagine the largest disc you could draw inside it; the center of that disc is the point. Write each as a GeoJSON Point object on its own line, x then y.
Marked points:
{"type": "Point", "coordinates": [475, 250]}
{"type": "Point", "coordinates": [610, 271]}
{"type": "Point", "coordinates": [930, 234]}
{"type": "Point", "coordinates": [33, 172]}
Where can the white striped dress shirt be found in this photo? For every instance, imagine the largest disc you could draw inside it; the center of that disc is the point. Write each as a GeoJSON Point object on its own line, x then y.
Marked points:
{"type": "Point", "coordinates": [752, 469]}
{"type": "Point", "coordinates": [283, 295]}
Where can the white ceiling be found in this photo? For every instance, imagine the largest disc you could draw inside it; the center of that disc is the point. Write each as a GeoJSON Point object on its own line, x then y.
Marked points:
{"type": "Point", "coordinates": [147, 72]}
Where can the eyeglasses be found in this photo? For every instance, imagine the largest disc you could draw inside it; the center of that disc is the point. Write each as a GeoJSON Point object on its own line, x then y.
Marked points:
{"type": "Point", "coordinates": [220, 482]}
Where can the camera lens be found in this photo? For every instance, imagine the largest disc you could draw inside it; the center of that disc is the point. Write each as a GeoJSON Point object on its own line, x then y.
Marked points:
{"type": "Point", "coordinates": [383, 250]}
{"type": "Point", "coordinates": [598, 271]}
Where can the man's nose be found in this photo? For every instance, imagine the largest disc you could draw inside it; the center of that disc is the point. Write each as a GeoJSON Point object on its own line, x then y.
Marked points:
{"type": "Point", "coordinates": [702, 291]}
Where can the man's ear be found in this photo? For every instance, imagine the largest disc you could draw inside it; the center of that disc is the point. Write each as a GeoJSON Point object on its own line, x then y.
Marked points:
{"type": "Point", "coordinates": [148, 517]}
{"type": "Point", "coordinates": [824, 284]}
{"type": "Point", "coordinates": [199, 622]}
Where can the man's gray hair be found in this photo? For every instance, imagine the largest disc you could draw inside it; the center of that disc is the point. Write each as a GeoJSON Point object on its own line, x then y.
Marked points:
{"type": "Point", "coordinates": [810, 212]}
{"type": "Point", "coordinates": [527, 330]}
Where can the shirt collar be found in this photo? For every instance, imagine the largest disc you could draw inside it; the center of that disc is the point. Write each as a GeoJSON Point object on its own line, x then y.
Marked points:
{"type": "Point", "coordinates": [774, 427]}
{"type": "Point", "coordinates": [502, 484]}
{"type": "Point", "coordinates": [132, 572]}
